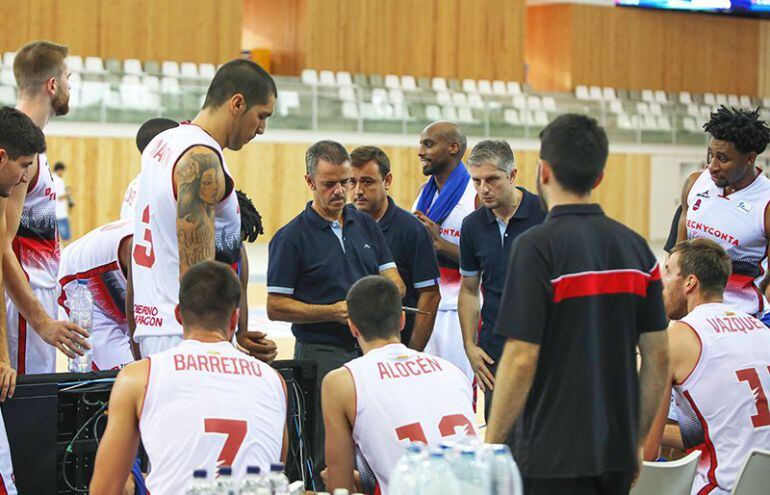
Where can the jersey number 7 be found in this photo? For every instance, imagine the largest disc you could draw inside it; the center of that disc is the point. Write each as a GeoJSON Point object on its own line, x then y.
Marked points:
{"type": "Point", "coordinates": [235, 429]}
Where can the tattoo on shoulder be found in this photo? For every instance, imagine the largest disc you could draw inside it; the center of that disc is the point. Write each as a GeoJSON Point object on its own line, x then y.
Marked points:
{"type": "Point", "coordinates": [200, 185]}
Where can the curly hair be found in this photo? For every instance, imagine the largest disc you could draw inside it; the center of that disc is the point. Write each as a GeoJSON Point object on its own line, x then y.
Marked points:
{"type": "Point", "coordinates": [743, 128]}
{"type": "Point", "coordinates": [251, 220]}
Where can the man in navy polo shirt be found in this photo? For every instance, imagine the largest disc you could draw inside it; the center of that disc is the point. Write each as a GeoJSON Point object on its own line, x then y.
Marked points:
{"type": "Point", "coordinates": [313, 261]}
{"type": "Point", "coordinates": [409, 241]}
{"type": "Point", "coordinates": [485, 243]}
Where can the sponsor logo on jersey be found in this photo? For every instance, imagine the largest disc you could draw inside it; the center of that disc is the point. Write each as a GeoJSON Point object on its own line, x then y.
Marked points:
{"type": "Point", "coordinates": [703, 194]}
{"type": "Point", "coordinates": [744, 206]}
{"type": "Point", "coordinates": [696, 205]}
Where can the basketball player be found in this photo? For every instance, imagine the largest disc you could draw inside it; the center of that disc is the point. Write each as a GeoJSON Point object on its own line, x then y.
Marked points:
{"type": "Point", "coordinates": [719, 368]}
{"type": "Point", "coordinates": [31, 258]}
{"type": "Point", "coordinates": [20, 141]}
{"type": "Point", "coordinates": [727, 203]}
{"type": "Point", "coordinates": [445, 200]}
{"type": "Point", "coordinates": [187, 211]}
{"type": "Point", "coordinates": [390, 395]}
{"type": "Point", "coordinates": [144, 135]}
{"type": "Point", "coordinates": [199, 405]}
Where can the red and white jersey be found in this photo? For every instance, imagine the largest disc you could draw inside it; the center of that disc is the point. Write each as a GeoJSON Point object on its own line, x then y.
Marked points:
{"type": "Point", "coordinates": [155, 260]}
{"type": "Point", "coordinates": [7, 481]}
{"type": "Point", "coordinates": [403, 395]}
{"type": "Point", "coordinates": [737, 223]}
{"type": "Point", "coordinates": [449, 284]}
{"type": "Point", "coordinates": [129, 200]}
{"type": "Point", "coordinates": [37, 242]}
{"type": "Point", "coordinates": [722, 406]}
{"type": "Point", "coordinates": [218, 405]}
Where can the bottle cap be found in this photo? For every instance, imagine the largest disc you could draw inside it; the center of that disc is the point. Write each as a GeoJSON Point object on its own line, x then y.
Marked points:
{"type": "Point", "coordinates": [225, 471]}
{"type": "Point", "coordinates": [437, 453]}
{"type": "Point", "coordinates": [276, 467]}
{"type": "Point", "coordinates": [82, 281]}
{"type": "Point", "coordinates": [200, 473]}
{"type": "Point", "coordinates": [253, 470]}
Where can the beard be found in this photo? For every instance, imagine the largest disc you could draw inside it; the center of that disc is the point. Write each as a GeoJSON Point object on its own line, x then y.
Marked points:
{"type": "Point", "coordinates": [434, 168]}
{"type": "Point", "coordinates": [540, 195]}
{"type": "Point", "coordinates": [61, 103]}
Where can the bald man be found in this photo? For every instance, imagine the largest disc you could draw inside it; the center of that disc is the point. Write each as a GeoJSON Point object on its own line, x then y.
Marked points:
{"type": "Point", "coordinates": [444, 201]}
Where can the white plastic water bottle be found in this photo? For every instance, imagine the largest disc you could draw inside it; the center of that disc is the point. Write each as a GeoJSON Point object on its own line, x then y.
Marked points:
{"type": "Point", "coordinates": [436, 476]}
{"type": "Point", "coordinates": [340, 491]}
{"type": "Point", "coordinates": [253, 483]}
{"type": "Point", "coordinates": [403, 479]}
{"type": "Point", "coordinates": [199, 484]}
{"type": "Point", "coordinates": [82, 314]}
{"type": "Point", "coordinates": [471, 472]}
{"type": "Point", "coordinates": [505, 476]}
{"type": "Point", "coordinates": [279, 483]}
{"type": "Point", "coordinates": [225, 485]}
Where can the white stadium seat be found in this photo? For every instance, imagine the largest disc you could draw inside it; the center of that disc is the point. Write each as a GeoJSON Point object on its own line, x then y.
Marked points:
{"type": "Point", "coordinates": [347, 93]}
{"type": "Point", "coordinates": [689, 124]}
{"type": "Point", "coordinates": [169, 68]}
{"type": "Point", "coordinates": [514, 87]}
{"type": "Point", "coordinates": [582, 93]}
{"type": "Point", "coordinates": [132, 66]}
{"type": "Point", "coordinates": [465, 116]}
{"type": "Point", "coordinates": [380, 95]}
{"type": "Point", "coordinates": [511, 116]}
{"type": "Point", "coordinates": [94, 64]}
{"type": "Point", "coordinates": [433, 112]}
{"type": "Point", "coordinates": [519, 101]}
{"type": "Point", "coordinates": [392, 81]}
{"type": "Point", "coordinates": [664, 123]}
{"type": "Point", "coordinates": [656, 109]}
{"type": "Point", "coordinates": [642, 108]}
{"type": "Point", "coordinates": [649, 123]}
{"type": "Point", "coordinates": [733, 101]}
{"type": "Point", "coordinates": [709, 99]}
{"type": "Point", "coordinates": [667, 478]}
{"type": "Point", "coordinates": [408, 83]}
{"type": "Point", "coordinates": [326, 78]}
{"type": "Point", "coordinates": [469, 86]}
{"type": "Point", "coordinates": [616, 107]}
{"type": "Point", "coordinates": [309, 77]}
{"type": "Point", "coordinates": [754, 476]}
{"type": "Point", "coordinates": [475, 101]}
{"type": "Point", "coordinates": [685, 98]}
{"type": "Point", "coordinates": [745, 101]}
{"type": "Point", "coordinates": [443, 98]}
{"type": "Point", "coordinates": [189, 70]}
{"type": "Point", "coordinates": [170, 85]}
{"type": "Point", "coordinates": [499, 88]}
{"type": "Point", "coordinates": [438, 84]}
{"type": "Point", "coordinates": [459, 99]}
{"type": "Point", "coordinates": [485, 87]}
{"type": "Point", "coordinates": [534, 103]}
{"type": "Point", "coordinates": [396, 96]}
{"type": "Point", "coordinates": [344, 78]}
{"type": "Point", "coordinates": [624, 122]}
{"type": "Point", "coordinates": [6, 77]}
{"type": "Point", "coordinates": [693, 110]}
{"type": "Point", "coordinates": [549, 103]}
{"type": "Point", "coordinates": [152, 82]}
{"type": "Point", "coordinates": [648, 95]}
{"type": "Point", "coordinates": [721, 99]}
{"type": "Point", "coordinates": [207, 70]}
{"type": "Point", "coordinates": [595, 93]}
{"type": "Point", "coordinates": [609, 94]}
{"type": "Point", "coordinates": [8, 58]}
{"type": "Point", "coordinates": [449, 113]}
{"type": "Point", "coordinates": [8, 95]}
{"type": "Point", "coordinates": [660, 97]}
{"type": "Point", "coordinates": [286, 101]}
{"type": "Point", "coordinates": [350, 110]}
{"type": "Point", "coordinates": [74, 63]}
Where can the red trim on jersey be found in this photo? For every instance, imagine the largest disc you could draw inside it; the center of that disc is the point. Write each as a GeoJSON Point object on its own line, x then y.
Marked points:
{"type": "Point", "coordinates": [3, 490]}
{"type": "Point", "coordinates": [94, 272]}
{"type": "Point", "coordinates": [450, 275]}
{"type": "Point", "coordinates": [700, 353]}
{"type": "Point", "coordinates": [16, 246]}
{"type": "Point", "coordinates": [33, 182]}
{"type": "Point", "coordinates": [602, 283]}
{"type": "Point", "coordinates": [710, 449]}
{"type": "Point", "coordinates": [146, 388]}
{"type": "Point", "coordinates": [377, 490]}
{"type": "Point", "coordinates": [21, 354]}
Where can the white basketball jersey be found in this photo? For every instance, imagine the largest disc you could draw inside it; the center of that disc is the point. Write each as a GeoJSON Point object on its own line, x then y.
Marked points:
{"type": "Point", "coordinates": [128, 207]}
{"type": "Point", "coordinates": [155, 260]}
{"type": "Point", "coordinates": [449, 284]}
{"type": "Point", "coordinates": [7, 481]}
{"type": "Point", "coordinates": [403, 395]}
{"type": "Point", "coordinates": [737, 223]}
{"type": "Point", "coordinates": [209, 405]}
{"type": "Point", "coordinates": [37, 243]}
{"type": "Point", "coordinates": [94, 257]}
{"type": "Point", "coordinates": [722, 405]}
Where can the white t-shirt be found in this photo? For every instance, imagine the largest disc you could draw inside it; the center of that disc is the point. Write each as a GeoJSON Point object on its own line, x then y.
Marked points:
{"type": "Point", "coordinates": [62, 205]}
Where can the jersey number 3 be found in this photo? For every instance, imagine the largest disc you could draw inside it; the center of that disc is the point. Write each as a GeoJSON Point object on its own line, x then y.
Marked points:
{"type": "Point", "coordinates": [235, 429]}
{"type": "Point", "coordinates": [751, 376]}
{"type": "Point", "coordinates": [446, 427]}
{"type": "Point", "coordinates": [144, 254]}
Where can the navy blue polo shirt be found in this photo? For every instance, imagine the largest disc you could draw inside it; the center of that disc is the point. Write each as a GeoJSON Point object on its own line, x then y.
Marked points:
{"type": "Point", "coordinates": [412, 249]}
{"type": "Point", "coordinates": [317, 261]}
{"type": "Point", "coordinates": [485, 246]}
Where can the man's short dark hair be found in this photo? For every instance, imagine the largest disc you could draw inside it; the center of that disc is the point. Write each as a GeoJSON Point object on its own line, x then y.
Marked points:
{"type": "Point", "coordinates": [374, 306]}
{"type": "Point", "coordinates": [576, 148]}
{"type": "Point", "coordinates": [209, 292]}
{"type": "Point", "coordinates": [36, 62]}
{"type": "Point", "coordinates": [707, 260]}
{"type": "Point", "coordinates": [19, 136]}
{"type": "Point", "coordinates": [152, 128]}
{"type": "Point", "coordinates": [59, 166]}
{"type": "Point", "coordinates": [743, 128]}
{"type": "Point", "coordinates": [328, 151]}
{"type": "Point", "coordinates": [242, 77]}
{"type": "Point", "coordinates": [365, 154]}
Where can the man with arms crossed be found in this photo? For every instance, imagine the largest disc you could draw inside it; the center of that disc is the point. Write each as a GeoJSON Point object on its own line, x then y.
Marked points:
{"type": "Point", "coordinates": [20, 141]}
{"type": "Point", "coordinates": [186, 210]}
{"type": "Point", "coordinates": [199, 405]}
{"type": "Point", "coordinates": [409, 242]}
{"type": "Point", "coordinates": [31, 257]}
{"type": "Point", "coordinates": [719, 372]}
{"type": "Point", "coordinates": [389, 396]}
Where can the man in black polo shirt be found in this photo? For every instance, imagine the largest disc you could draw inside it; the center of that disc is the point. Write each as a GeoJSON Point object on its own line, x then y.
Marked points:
{"type": "Point", "coordinates": [485, 245]}
{"type": "Point", "coordinates": [313, 261]}
{"type": "Point", "coordinates": [410, 243]}
{"type": "Point", "coordinates": [582, 292]}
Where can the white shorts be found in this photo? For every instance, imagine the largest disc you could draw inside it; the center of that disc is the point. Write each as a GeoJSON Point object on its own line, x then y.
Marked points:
{"type": "Point", "coordinates": [30, 354]}
{"type": "Point", "coordinates": [446, 341]}
{"type": "Point", "coordinates": [154, 344]}
{"type": "Point", "coordinates": [110, 343]}
{"type": "Point", "coordinates": [7, 482]}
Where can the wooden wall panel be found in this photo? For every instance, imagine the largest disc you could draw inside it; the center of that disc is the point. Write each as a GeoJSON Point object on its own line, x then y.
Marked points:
{"type": "Point", "coordinates": [643, 49]}
{"type": "Point", "coordinates": [272, 174]}
{"type": "Point", "coordinates": [763, 66]}
{"type": "Point", "coordinates": [481, 39]}
{"type": "Point", "coordinates": [182, 30]}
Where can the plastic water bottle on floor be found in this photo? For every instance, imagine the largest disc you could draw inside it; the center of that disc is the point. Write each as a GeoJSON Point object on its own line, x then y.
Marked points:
{"type": "Point", "coordinates": [436, 476]}
{"type": "Point", "coordinates": [403, 480]}
{"type": "Point", "coordinates": [199, 484]}
{"type": "Point", "coordinates": [505, 476]}
{"type": "Point", "coordinates": [254, 483]}
{"type": "Point", "coordinates": [279, 483]}
{"type": "Point", "coordinates": [472, 473]}
{"type": "Point", "coordinates": [225, 485]}
{"type": "Point", "coordinates": [82, 314]}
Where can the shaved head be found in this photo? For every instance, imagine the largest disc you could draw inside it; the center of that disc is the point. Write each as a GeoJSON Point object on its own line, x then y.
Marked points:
{"type": "Point", "coordinates": [442, 146]}
{"type": "Point", "coordinates": [450, 132]}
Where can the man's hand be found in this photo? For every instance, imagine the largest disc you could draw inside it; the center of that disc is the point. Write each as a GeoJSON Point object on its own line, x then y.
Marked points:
{"type": "Point", "coordinates": [257, 346]}
{"type": "Point", "coordinates": [479, 361]}
{"type": "Point", "coordinates": [65, 336]}
{"type": "Point", "coordinates": [340, 312]}
{"type": "Point", "coordinates": [433, 229]}
{"type": "Point", "coordinates": [7, 381]}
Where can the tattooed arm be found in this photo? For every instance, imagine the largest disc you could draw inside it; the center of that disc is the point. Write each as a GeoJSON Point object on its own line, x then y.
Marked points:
{"type": "Point", "coordinates": [200, 184]}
